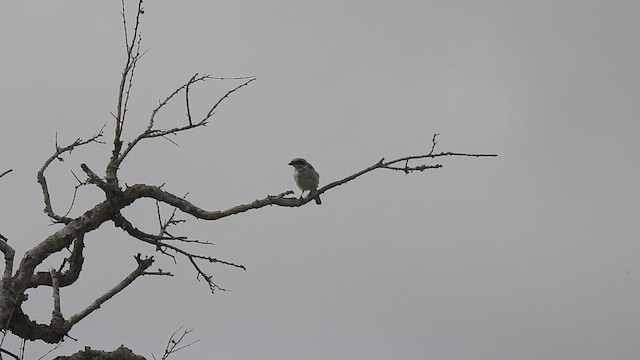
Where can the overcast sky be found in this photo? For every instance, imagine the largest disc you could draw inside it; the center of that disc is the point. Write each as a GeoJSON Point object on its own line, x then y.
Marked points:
{"type": "Point", "coordinates": [530, 255]}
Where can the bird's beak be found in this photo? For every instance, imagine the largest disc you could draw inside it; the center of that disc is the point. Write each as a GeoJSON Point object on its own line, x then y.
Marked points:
{"type": "Point", "coordinates": [291, 163]}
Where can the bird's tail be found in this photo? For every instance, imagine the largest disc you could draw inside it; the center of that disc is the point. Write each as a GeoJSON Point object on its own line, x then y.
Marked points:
{"type": "Point", "coordinates": [317, 199]}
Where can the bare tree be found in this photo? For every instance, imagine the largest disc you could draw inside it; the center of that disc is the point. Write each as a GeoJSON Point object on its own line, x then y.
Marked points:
{"type": "Point", "coordinates": [74, 231]}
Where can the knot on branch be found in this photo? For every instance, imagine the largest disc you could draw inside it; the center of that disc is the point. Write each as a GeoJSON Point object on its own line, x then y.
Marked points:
{"type": "Point", "coordinates": [93, 178]}
{"type": "Point", "coordinates": [144, 263]}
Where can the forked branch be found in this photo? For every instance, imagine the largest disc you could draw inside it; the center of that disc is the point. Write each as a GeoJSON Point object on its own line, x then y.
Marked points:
{"type": "Point", "coordinates": [176, 344]}
{"type": "Point", "coordinates": [57, 155]}
{"type": "Point", "coordinates": [67, 277]}
{"type": "Point", "coordinates": [159, 241]}
{"type": "Point", "coordinates": [124, 89]}
{"type": "Point", "coordinates": [151, 132]}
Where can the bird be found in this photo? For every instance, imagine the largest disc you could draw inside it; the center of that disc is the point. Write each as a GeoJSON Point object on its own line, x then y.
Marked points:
{"type": "Point", "coordinates": [305, 176]}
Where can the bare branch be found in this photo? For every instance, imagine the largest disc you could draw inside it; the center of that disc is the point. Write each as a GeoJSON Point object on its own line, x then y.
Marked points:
{"type": "Point", "coordinates": [433, 143]}
{"type": "Point", "coordinates": [165, 235]}
{"type": "Point", "coordinates": [58, 346]}
{"type": "Point", "coordinates": [159, 272]}
{"type": "Point", "coordinates": [9, 353]}
{"type": "Point", "coordinates": [173, 345]}
{"type": "Point", "coordinates": [407, 169]}
{"type": "Point", "coordinates": [135, 58]}
{"type": "Point", "coordinates": [165, 224]}
{"type": "Point", "coordinates": [151, 132]}
{"type": "Point", "coordinates": [156, 240]}
{"type": "Point", "coordinates": [56, 316]}
{"type": "Point", "coordinates": [23, 347]}
{"type": "Point", "coordinates": [9, 254]}
{"type": "Point", "coordinates": [143, 265]}
{"type": "Point", "coordinates": [6, 172]}
{"type": "Point", "coordinates": [124, 23]}
{"type": "Point", "coordinates": [68, 277]}
{"type": "Point", "coordinates": [387, 165]}
{"type": "Point", "coordinates": [75, 193]}
{"type": "Point", "coordinates": [124, 89]}
{"type": "Point", "coordinates": [93, 178]}
{"type": "Point", "coordinates": [186, 95]}
{"type": "Point", "coordinates": [48, 209]}
{"type": "Point", "coordinates": [211, 111]}
{"type": "Point", "coordinates": [59, 240]}
{"type": "Point", "coordinates": [231, 77]}
{"type": "Point", "coordinates": [154, 192]}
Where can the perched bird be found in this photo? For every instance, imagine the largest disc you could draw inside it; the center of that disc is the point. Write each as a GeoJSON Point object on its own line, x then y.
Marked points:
{"type": "Point", "coordinates": [306, 177]}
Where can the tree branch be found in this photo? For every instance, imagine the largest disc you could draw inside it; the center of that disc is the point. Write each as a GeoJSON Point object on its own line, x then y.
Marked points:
{"type": "Point", "coordinates": [143, 264]}
{"type": "Point", "coordinates": [75, 261]}
{"type": "Point", "coordinates": [93, 178]}
{"type": "Point", "coordinates": [157, 240]}
{"type": "Point", "coordinates": [9, 254]}
{"type": "Point", "coordinates": [57, 319]}
{"type": "Point", "coordinates": [48, 208]}
{"type": "Point", "coordinates": [59, 240]}
{"type": "Point", "coordinates": [124, 90]}
{"type": "Point", "coordinates": [155, 192]}
{"type": "Point", "coordinates": [174, 344]}
{"type": "Point", "coordinates": [151, 132]}
{"type": "Point", "coordinates": [10, 354]}
{"type": "Point", "coordinates": [6, 172]}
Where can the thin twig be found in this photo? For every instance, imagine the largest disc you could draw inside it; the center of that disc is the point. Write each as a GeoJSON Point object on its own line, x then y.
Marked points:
{"type": "Point", "coordinates": [211, 111]}
{"type": "Point", "coordinates": [186, 92]}
{"type": "Point", "coordinates": [58, 345]}
{"type": "Point", "coordinates": [151, 132]}
{"type": "Point", "coordinates": [143, 264]}
{"type": "Point", "coordinates": [433, 143]}
{"type": "Point", "coordinates": [57, 156]}
{"type": "Point", "coordinates": [156, 240]}
{"type": "Point", "coordinates": [124, 88]}
{"type": "Point", "coordinates": [9, 353]}
{"type": "Point", "coordinates": [6, 172]}
{"type": "Point", "coordinates": [173, 344]}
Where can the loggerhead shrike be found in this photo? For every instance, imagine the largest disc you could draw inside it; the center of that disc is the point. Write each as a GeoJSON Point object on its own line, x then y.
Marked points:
{"type": "Point", "coordinates": [306, 177]}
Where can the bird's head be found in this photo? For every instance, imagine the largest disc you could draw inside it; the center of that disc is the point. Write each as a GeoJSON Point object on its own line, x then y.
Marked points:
{"type": "Point", "coordinates": [298, 163]}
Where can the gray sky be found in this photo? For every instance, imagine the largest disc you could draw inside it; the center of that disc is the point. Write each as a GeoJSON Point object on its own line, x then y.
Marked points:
{"type": "Point", "coordinates": [531, 255]}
